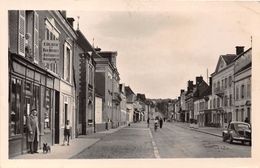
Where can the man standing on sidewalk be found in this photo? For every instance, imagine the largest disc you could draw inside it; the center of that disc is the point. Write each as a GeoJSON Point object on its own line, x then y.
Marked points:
{"type": "Point", "coordinates": [33, 131]}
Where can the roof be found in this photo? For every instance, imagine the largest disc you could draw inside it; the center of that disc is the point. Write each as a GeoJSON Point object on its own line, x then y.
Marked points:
{"type": "Point", "coordinates": [228, 58]}
{"type": "Point", "coordinates": [128, 90]}
{"type": "Point", "coordinates": [243, 53]}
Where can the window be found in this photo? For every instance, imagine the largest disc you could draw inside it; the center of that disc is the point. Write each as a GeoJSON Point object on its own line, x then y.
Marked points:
{"type": "Point", "coordinates": [222, 84]}
{"type": "Point", "coordinates": [218, 86]}
{"type": "Point", "coordinates": [242, 114]}
{"type": "Point", "coordinates": [91, 76]}
{"type": "Point", "coordinates": [218, 102]}
{"type": "Point", "coordinates": [242, 91]}
{"type": "Point", "coordinates": [248, 90]}
{"type": "Point", "coordinates": [236, 114]}
{"type": "Point", "coordinates": [230, 100]}
{"type": "Point", "coordinates": [214, 103]}
{"type": "Point", "coordinates": [67, 62]}
{"type": "Point", "coordinates": [225, 100]}
{"type": "Point", "coordinates": [237, 93]}
{"type": "Point", "coordinates": [15, 112]}
{"type": "Point", "coordinates": [230, 81]}
{"type": "Point", "coordinates": [226, 83]}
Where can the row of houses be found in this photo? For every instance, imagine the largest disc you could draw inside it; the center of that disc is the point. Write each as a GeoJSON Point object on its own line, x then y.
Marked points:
{"type": "Point", "coordinates": [54, 69]}
{"type": "Point", "coordinates": [226, 97]}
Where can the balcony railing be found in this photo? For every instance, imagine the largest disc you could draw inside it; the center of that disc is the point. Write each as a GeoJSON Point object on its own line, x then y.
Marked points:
{"type": "Point", "coordinates": [219, 91]}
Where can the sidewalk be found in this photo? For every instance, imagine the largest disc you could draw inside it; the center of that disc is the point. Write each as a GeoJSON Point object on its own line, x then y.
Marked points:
{"type": "Point", "coordinates": [65, 152]}
{"type": "Point", "coordinates": [207, 130]}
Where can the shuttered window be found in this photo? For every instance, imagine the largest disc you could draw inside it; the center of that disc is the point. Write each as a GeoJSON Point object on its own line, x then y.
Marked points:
{"type": "Point", "coordinates": [21, 33]}
{"type": "Point", "coordinates": [36, 37]}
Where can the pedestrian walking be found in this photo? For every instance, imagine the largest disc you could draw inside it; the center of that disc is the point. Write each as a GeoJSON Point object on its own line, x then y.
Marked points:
{"type": "Point", "coordinates": [67, 131]}
{"type": "Point", "coordinates": [161, 122]}
{"type": "Point", "coordinates": [33, 131]}
{"type": "Point", "coordinates": [156, 124]}
{"type": "Point", "coordinates": [148, 121]}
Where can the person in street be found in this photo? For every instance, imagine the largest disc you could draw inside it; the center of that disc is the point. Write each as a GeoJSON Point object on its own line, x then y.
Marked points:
{"type": "Point", "coordinates": [247, 120]}
{"type": "Point", "coordinates": [67, 131]}
{"type": "Point", "coordinates": [148, 121]}
{"type": "Point", "coordinates": [33, 131]}
{"type": "Point", "coordinates": [161, 122]}
{"type": "Point", "coordinates": [156, 122]}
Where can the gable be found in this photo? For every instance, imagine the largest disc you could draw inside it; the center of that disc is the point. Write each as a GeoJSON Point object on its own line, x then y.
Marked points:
{"type": "Point", "coordinates": [221, 64]}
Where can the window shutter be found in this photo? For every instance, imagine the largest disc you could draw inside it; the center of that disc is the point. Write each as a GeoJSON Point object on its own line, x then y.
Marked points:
{"type": "Point", "coordinates": [21, 33]}
{"type": "Point", "coordinates": [36, 37]}
{"type": "Point", "coordinates": [64, 61]}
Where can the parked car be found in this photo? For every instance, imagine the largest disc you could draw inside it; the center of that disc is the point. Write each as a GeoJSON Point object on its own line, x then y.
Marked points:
{"type": "Point", "coordinates": [237, 131]}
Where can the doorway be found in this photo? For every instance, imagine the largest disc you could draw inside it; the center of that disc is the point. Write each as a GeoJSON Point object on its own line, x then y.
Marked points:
{"type": "Point", "coordinates": [57, 117]}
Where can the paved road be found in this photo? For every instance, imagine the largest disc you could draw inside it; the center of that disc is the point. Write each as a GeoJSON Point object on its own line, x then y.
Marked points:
{"type": "Point", "coordinates": [171, 141]}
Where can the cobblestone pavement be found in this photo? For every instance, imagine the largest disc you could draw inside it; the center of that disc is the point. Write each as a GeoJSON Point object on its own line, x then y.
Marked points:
{"type": "Point", "coordinates": [172, 141]}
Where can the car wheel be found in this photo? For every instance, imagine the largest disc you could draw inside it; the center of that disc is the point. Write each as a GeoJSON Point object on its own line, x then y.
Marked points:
{"type": "Point", "coordinates": [230, 139]}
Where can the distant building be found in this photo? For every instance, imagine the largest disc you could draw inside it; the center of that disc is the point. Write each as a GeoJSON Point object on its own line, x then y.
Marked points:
{"type": "Point", "coordinates": [130, 101]}
{"type": "Point", "coordinates": [104, 88]}
{"type": "Point", "coordinates": [116, 99]}
{"type": "Point", "coordinates": [124, 115]}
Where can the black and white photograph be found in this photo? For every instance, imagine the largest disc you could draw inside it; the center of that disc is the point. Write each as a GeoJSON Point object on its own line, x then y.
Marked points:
{"type": "Point", "coordinates": [131, 83]}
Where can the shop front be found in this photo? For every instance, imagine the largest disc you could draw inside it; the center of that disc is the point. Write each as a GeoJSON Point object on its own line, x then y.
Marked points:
{"type": "Point", "coordinates": [30, 87]}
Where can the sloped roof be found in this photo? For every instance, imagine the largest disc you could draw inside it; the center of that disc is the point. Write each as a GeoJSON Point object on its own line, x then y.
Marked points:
{"type": "Point", "coordinates": [228, 58]}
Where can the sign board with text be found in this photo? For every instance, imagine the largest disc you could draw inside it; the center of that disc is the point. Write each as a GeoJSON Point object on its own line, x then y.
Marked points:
{"type": "Point", "coordinates": [50, 50]}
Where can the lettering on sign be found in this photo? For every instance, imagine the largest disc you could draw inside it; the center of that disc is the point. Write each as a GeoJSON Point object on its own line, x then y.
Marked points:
{"type": "Point", "coordinates": [50, 50]}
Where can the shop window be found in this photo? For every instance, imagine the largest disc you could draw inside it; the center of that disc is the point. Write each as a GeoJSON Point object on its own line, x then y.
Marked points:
{"type": "Point", "coordinates": [15, 110]}
{"type": "Point", "coordinates": [47, 112]}
{"type": "Point", "coordinates": [225, 117]}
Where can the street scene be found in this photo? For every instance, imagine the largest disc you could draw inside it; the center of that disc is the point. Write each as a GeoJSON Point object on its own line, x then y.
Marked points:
{"type": "Point", "coordinates": [130, 84]}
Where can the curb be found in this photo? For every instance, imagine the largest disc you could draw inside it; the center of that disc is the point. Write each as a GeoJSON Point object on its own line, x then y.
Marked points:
{"type": "Point", "coordinates": [196, 129]}
{"type": "Point", "coordinates": [217, 135]}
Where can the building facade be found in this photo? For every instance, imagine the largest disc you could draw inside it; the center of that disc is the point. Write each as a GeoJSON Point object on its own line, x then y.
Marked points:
{"type": "Point", "coordinates": [223, 88]}
{"type": "Point", "coordinates": [41, 45]}
{"type": "Point", "coordinates": [242, 86]}
{"type": "Point", "coordinates": [85, 87]}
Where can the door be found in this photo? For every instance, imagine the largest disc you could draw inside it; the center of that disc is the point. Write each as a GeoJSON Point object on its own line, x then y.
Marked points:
{"type": "Point", "coordinates": [57, 117]}
{"type": "Point", "coordinates": [27, 109]}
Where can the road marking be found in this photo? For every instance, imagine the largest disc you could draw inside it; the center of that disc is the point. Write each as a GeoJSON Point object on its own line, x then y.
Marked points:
{"type": "Point", "coordinates": [155, 149]}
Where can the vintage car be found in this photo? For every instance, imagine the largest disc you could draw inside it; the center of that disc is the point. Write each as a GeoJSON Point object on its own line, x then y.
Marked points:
{"type": "Point", "coordinates": [237, 131]}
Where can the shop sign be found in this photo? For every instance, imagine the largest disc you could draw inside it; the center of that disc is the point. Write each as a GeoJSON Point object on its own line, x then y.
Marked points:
{"type": "Point", "coordinates": [50, 50]}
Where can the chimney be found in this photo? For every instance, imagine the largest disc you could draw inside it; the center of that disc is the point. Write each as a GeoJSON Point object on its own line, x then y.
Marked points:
{"type": "Point", "coordinates": [199, 79]}
{"type": "Point", "coordinates": [182, 90]}
{"type": "Point", "coordinates": [71, 20]}
{"type": "Point", "coordinates": [63, 13]}
{"type": "Point", "coordinates": [190, 85]}
{"type": "Point", "coordinates": [239, 50]}
{"type": "Point", "coordinates": [210, 81]}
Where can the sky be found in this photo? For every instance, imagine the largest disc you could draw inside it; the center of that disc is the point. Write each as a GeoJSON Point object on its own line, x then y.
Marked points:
{"type": "Point", "coordinates": [163, 45]}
